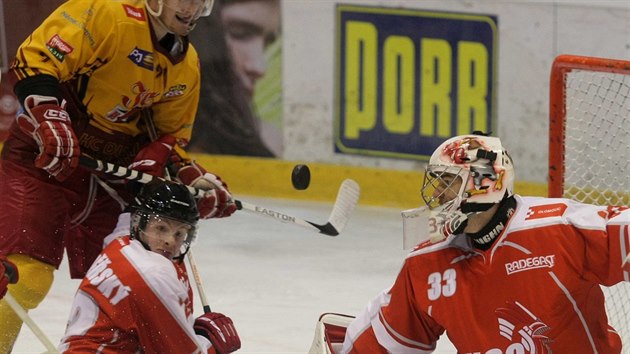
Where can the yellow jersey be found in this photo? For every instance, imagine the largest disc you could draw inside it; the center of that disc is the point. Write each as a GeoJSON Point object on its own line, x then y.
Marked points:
{"type": "Point", "coordinates": [111, 67]}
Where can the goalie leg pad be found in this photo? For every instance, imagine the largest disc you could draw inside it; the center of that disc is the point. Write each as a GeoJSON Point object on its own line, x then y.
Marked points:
{"type": "Point", "coordinates": [330, 332]}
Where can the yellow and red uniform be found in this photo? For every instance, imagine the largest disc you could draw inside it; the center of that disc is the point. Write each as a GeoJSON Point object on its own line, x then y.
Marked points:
{"type": "Point", "coordinates": [104, 59]}
{"type": "Point", "coordinates": [110, 66]}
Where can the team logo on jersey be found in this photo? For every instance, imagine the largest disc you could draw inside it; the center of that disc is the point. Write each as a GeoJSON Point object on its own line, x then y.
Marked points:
{"type": "Point", "coordinates": [175, 91]}
{"type": "Point", "coordinates": [545, 211]}
{"type": "Point", "coordinates": [521, 327]}
{"type": "Point", "coordinates": [530, 263]}
{"type": "Point", "coordinates": [142, 58]}
{"type": "Point", "coordinates": [134, 12]}
{"type": "Point", "coordinates": [524, 331]}
{"type": "Point", "coordinates": [141, 98]}
{"type": "Point", "coordinates": [612, 211]}
{"type": "Point", "coordinates": [58, 47]}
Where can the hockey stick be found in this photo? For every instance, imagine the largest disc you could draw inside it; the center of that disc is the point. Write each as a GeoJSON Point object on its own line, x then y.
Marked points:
{"type": "Point", "coordinates": [347, 198]}
{"type": "Point", "coordinates": [23, 315]}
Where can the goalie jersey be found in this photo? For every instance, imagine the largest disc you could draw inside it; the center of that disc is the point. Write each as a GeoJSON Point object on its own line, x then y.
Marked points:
{"type": "Point", "coordinates": [111, 67]}
{"type": "Point", "coordinates": [536, 290]}
{"type": "Point", "coordinates": [133, 301]}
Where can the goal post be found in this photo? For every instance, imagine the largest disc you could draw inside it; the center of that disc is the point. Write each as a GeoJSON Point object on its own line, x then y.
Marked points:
{"type": "Point", "coordinates": [589, 146]}
{"type": "Point", "coordinates": [589, 127]}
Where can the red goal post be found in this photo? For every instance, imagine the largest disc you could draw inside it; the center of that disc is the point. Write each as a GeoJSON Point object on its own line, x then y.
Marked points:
{"type": "Point", "coordinates": [612, 89]}
{"type": "Point", "coordinates": [589, 146]}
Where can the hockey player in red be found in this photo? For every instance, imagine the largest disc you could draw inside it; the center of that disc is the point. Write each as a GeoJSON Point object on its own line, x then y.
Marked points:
{"type": "Point", "coordinates": [513, 274]}
{"type": "Point", "coordinates": [87, 78]}
{"type": "Point", "coordinates": [136, 297]}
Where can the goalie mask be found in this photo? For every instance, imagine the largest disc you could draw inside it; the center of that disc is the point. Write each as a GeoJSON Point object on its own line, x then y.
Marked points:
{"type": "Point", "coordinates": [470, 173]}
{"type": "Point", "coordinates": [466, 174]}
{"type": "Point", "coordinates": [164, 218]}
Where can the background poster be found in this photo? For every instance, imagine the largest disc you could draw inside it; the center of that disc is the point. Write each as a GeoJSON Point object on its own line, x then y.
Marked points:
{"type": "Point", "coordinates": [240, 110]}
{"type": "Point", "coordinates": [408, 79]}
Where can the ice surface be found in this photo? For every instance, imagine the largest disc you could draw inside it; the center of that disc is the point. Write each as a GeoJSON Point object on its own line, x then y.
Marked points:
{"type": "Point", "coordinates": [274, 280]}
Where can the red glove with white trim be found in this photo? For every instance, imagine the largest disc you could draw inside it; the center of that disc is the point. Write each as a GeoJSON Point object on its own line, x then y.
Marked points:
{"type": "Point", "coordinates": [47, 122]}
{"type": "Point", "coordinates": [154, 157]}
{"type": "Point", "coordinates": [217, 201]}
{"type": "Point", "coordinates": [220, 330]}
{"type": "Point", "coordinates": [8, 275]}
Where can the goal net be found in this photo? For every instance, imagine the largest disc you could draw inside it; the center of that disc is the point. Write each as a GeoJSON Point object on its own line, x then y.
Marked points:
{"type": "Point", "coordinates": [589, 146]}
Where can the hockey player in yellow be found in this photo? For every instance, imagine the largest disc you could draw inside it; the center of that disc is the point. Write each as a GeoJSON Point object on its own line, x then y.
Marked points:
{"type": "Point", "coordinates": [91, 79]}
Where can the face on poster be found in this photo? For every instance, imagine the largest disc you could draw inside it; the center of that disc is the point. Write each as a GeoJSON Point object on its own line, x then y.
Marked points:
{"type": "Point", "coordinates": [240, 111]}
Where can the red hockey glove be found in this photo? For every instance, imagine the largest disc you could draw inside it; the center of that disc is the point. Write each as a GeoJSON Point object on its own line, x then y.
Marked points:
{"type": "Point", "coordinates": [8, 275]}
{"type": "Point", "coordinates": [49, 124]}
{"type": "Point", "coordinates": [217, 201]}
{"type": "Point", "coordinates": [154, 157]}
{"type": "Point", "coordinates": [220, 330]}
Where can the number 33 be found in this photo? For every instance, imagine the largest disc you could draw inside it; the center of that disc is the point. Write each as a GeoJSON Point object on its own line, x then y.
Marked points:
{"type": "Point", "coordinates": [442, 284]}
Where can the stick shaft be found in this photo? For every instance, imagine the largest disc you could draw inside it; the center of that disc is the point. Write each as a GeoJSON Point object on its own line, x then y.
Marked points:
{"type": "Point", "coordinates": [197, 278]}
{"type": "Point", "coordinates": [133, 175]}
{"type": "Point", "coordinates": [23, 315]}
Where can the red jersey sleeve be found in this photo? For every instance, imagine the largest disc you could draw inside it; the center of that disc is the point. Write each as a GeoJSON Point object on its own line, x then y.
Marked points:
{"type": "Point", "coordinates": [607, 247]}
{"type": "Point", "coordinates": [393, 323]}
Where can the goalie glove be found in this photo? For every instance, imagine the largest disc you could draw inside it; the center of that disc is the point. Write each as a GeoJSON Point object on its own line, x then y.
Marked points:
{"type": "Point", "coordinates": [219, 330]}
{"type": "Point", "coordinates": [442, 224]}
{"type": "Point", "coordinates": [8, 275]}
{"type": "Point", "coordinates": [47, 122]}
{"type": "Point", "coordinates": [217, 201]}
{"type": "Point", "coordinates": [154, 158]}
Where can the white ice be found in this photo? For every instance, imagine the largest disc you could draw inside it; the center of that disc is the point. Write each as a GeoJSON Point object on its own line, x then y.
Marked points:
{"type": "Point", "coordinates": [273, 279]}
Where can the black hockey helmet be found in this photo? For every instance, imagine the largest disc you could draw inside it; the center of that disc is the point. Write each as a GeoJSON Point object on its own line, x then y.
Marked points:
{"type": "Point", "coordinates": [164, 199]}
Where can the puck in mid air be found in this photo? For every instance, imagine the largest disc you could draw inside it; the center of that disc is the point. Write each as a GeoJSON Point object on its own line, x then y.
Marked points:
{"type": "Point", "coordinates": [301, 177]}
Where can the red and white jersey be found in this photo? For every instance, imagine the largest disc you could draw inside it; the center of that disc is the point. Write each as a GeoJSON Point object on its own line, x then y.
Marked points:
{"type": "Point", "coordinates": [536, 290]}
{"type": "Point", "coordinates": [133, 301]}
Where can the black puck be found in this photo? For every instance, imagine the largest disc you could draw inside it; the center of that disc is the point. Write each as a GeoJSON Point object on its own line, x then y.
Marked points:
{"type": "Point", "coordinates": [301, 177]}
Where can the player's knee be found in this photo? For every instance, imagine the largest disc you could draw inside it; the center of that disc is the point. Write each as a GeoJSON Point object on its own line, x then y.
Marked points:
{"type": "Point", "coordinates": [35, 280]}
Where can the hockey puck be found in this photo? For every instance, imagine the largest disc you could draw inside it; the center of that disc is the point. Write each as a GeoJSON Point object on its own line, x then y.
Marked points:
{"type": "Point", "coordinates": [301, 177]}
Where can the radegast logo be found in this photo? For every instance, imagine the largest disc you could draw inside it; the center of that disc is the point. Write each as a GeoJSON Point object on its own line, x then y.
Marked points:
{"type": "Point", "coordinates": [530, 263]}
{"type": "Point", "coordinates": [58, 47]}
{"type": "Point", "coordinates": [142, 58]}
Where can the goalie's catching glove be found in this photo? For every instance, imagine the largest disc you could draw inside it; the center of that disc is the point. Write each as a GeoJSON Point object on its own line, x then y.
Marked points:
{"type": "Point", "coordinates": [219, 330]}
{"type": "Point", "coordinates": [47, 122]}
{"type": "Point", "coordinates": [8, 275]}
{"type": "Point", "coordinates": [154, 158]}
{"type": "Point", "coordinates": [217, 201]}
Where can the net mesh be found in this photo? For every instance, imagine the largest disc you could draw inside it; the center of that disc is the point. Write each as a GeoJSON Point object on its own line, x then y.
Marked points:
{"type": "Point", "coordinates": [597, 161]}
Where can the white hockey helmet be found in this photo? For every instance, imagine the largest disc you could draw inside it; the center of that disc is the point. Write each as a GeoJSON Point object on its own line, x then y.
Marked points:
{"type": "Point", "coordinates": [480, 163]}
